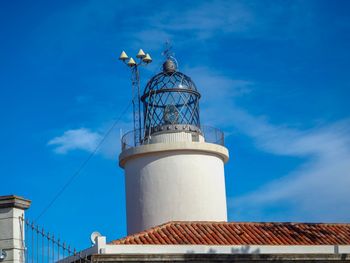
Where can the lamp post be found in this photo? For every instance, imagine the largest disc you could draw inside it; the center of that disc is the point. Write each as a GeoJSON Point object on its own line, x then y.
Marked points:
{"type": "Point", "coordinates": [142, 60]}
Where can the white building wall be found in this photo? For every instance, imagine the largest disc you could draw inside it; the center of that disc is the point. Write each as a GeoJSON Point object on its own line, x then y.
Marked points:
{"type": "Point", "coordinates": [174, 185]}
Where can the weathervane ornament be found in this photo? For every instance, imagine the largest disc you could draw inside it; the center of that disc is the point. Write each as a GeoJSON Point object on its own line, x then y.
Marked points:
{"type": "Point", "coordinates": [168, 53]}
{"type": "Point", "coordinates": [170, 65]}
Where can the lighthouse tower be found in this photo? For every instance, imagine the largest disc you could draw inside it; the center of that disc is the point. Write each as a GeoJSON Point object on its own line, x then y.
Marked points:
{"type": "Point", "coordinates": [175, 172]}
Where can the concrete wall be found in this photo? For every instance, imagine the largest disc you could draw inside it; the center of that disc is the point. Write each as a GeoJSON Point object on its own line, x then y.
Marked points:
{"type": "Point", "coordinates": [106, 252]}
{"type": "Point", "coordinates": [250, 258]}
{"type": "Point", "coordinates": [12, 227]}
{"type": "Point", "coordinates": [174, 184]}
{"type": "Point", "coordinates": [176, 137]}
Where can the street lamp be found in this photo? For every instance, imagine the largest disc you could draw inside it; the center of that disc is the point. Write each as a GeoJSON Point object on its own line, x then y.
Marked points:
{"type": "Point", "coordinates": [143, 59]}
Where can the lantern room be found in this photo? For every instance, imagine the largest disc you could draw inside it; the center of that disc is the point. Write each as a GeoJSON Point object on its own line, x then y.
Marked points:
{"type": "Point", "coordinates": [170, 102]}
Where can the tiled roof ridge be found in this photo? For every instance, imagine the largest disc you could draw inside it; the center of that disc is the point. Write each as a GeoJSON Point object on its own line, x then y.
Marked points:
{"type": "Point", "coordinates": [248, 223]}
{"type": "Point", "coordinates": [146, 231]}
{"type": "Point", "coordinates": [225, 233]}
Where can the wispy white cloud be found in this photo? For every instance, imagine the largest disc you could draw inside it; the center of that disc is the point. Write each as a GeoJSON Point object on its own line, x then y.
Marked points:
{"type": "Point", "coordinates": [212, 20]}
{"type": "Point", "coordinates": [203, 20]}
{"type": "Point", "coordinates": [79, 139]}
{"type": "Point", "coordinates": [316, 190]}
{"type": "Point", "coordinates": [218, 94]}
{"type": "Point", "coordinates": [66, 32]}
{"type": "Point", "coordinates": [107, 138]}
{"type": "Point", "coordinates": [216, 84]}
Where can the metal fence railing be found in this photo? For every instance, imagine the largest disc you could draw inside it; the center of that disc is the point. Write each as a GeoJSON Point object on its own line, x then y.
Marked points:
{"type": "Point", "coordinates": [41, 246]}
{"type": "Point", "coordinates": [213, 135]}
{"type": "Point", "coordinates": [210, 134]}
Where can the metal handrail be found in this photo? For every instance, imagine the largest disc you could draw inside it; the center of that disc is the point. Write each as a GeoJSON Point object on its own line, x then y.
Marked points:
{"type": "Point", "coordinates": [210, 134]}
{"type": "Point", "coordinates": [43, 246]}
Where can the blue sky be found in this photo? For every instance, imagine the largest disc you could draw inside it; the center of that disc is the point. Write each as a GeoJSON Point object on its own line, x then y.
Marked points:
{"type": "Point", "coordinates": [274, 75]}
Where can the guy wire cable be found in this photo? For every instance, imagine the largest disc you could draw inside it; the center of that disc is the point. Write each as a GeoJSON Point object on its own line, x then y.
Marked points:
{"type": "Point", "coordinates": [83, 164]}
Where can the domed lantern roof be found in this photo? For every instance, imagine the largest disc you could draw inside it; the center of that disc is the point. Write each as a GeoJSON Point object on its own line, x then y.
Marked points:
{"type": "Point", "coordinates": [170, 101]}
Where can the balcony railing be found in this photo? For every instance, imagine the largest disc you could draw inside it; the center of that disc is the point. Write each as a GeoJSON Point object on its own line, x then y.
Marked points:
{"type": "Point", "coordinates": [210, 134]}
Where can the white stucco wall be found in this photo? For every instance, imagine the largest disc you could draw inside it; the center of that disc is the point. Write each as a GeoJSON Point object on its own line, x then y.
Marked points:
{"type": "Point", "coordinates": [174, 184]}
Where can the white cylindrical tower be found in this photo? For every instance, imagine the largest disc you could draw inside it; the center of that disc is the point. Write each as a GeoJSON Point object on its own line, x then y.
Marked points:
{"type": "Point", "coordinates": [176, 171]}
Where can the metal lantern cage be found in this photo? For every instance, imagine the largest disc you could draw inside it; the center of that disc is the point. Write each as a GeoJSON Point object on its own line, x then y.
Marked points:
{"type": "Point", "coordinates": [170, 102]}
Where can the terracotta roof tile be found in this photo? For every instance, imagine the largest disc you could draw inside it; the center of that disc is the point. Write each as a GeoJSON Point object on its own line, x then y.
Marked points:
{"type": "Point", "coordinates": [236, 233]}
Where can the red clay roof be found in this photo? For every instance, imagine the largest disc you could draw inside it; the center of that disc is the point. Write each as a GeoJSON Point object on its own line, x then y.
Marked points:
{"type": "Point", "coordinates": [234, 233]}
